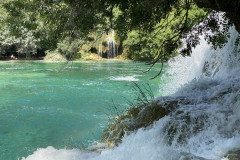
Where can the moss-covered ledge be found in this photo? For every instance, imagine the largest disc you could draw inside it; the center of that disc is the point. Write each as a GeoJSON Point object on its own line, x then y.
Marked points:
{"type": "Point", "coordinates": [233, 154]}
{"type": "Point", "coordinates": [142, 116]}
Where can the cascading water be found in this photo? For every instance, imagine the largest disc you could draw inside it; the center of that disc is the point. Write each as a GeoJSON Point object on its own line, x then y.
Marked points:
{"type": "Point", "coordinates": [205, 119]}
{"type": "Point", "coordinates": [112, 46]}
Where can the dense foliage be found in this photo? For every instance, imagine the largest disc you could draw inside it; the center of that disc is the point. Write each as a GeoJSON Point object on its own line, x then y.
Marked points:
{"type": "Point", "coordinates": [142, 45]}
{"type": "Point", "coordinates": [149, 30]}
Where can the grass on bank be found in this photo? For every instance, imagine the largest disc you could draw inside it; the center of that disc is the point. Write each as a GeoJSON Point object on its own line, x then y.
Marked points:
{"type": "Point", "coordinates": [141, 114]}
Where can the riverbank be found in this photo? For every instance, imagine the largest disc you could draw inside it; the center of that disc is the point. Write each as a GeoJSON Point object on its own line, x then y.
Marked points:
{"type": "Point", "coordinates": [56, 57]}
{"type": "Point", "coordinates": [57, 60]}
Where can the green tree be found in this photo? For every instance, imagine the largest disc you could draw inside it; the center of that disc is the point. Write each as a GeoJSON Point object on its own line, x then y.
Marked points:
{"type": "Point", "coordinates": [143, 45]}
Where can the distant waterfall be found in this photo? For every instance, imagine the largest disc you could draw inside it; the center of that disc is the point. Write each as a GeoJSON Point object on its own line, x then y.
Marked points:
{"type": "Point", "coordinates": [112, 46]}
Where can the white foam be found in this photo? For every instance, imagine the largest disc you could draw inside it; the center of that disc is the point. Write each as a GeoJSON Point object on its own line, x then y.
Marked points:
{"type": "Point", "coordinates": [51, 153]}
{"type": "Point", "coordinates": [184, 69]}
{"type": "Point", "coordinates": [124, 78]}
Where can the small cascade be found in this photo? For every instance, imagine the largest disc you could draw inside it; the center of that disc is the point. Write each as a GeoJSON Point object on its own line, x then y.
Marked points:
{"type": "Point", "coordinates": [112, 46]}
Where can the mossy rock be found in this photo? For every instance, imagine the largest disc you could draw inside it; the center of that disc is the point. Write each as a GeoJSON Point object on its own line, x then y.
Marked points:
{"type": "Point", "coordinates": [233, 155]}
{"type": "Point", "coordinates": [188, 156]}
{"type": "Point", "coordinates": [142, 116]}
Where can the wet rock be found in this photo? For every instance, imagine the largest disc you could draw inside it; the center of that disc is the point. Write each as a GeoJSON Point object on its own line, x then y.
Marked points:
{"type": "Point", "coordinates": [233, 155]}
{"type": "Point", "coordinates": [188, 156]}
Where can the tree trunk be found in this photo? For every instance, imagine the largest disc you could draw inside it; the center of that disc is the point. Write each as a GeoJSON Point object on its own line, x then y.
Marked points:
{"type": "Point", "coordinates": [231, 7]}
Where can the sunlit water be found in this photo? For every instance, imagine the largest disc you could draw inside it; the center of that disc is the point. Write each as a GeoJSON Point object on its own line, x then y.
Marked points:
{"type": "Point", "coordinates": [62, 105]}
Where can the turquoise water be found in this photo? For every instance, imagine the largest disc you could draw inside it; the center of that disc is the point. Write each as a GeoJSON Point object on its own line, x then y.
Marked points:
{"type": "Point", "coordinates": [62, 105]}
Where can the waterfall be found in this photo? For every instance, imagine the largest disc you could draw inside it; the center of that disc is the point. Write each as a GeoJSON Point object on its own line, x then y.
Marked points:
{"type": "Point", "coordinates": [205, 121]}
{"type": "Point", "coordinates": [112, 46]}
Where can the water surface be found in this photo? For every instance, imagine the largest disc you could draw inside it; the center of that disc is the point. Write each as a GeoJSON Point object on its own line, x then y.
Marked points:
{"type": "Point", "coordinates": [62, 105]}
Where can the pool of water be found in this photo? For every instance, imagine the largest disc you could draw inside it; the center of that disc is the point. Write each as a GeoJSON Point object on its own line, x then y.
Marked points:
{"type": "Point", "coordinates": [64, 105]}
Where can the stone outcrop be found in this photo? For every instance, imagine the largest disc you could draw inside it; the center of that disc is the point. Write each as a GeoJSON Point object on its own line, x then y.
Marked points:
{"type": "Point", "coordinates": [233, 155]}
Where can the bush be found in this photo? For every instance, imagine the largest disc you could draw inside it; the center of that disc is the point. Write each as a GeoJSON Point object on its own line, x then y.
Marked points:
{"type": "Point", "coordinates": [70, 48]}
{"type": "Point", "coordinates": [54, 56]}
